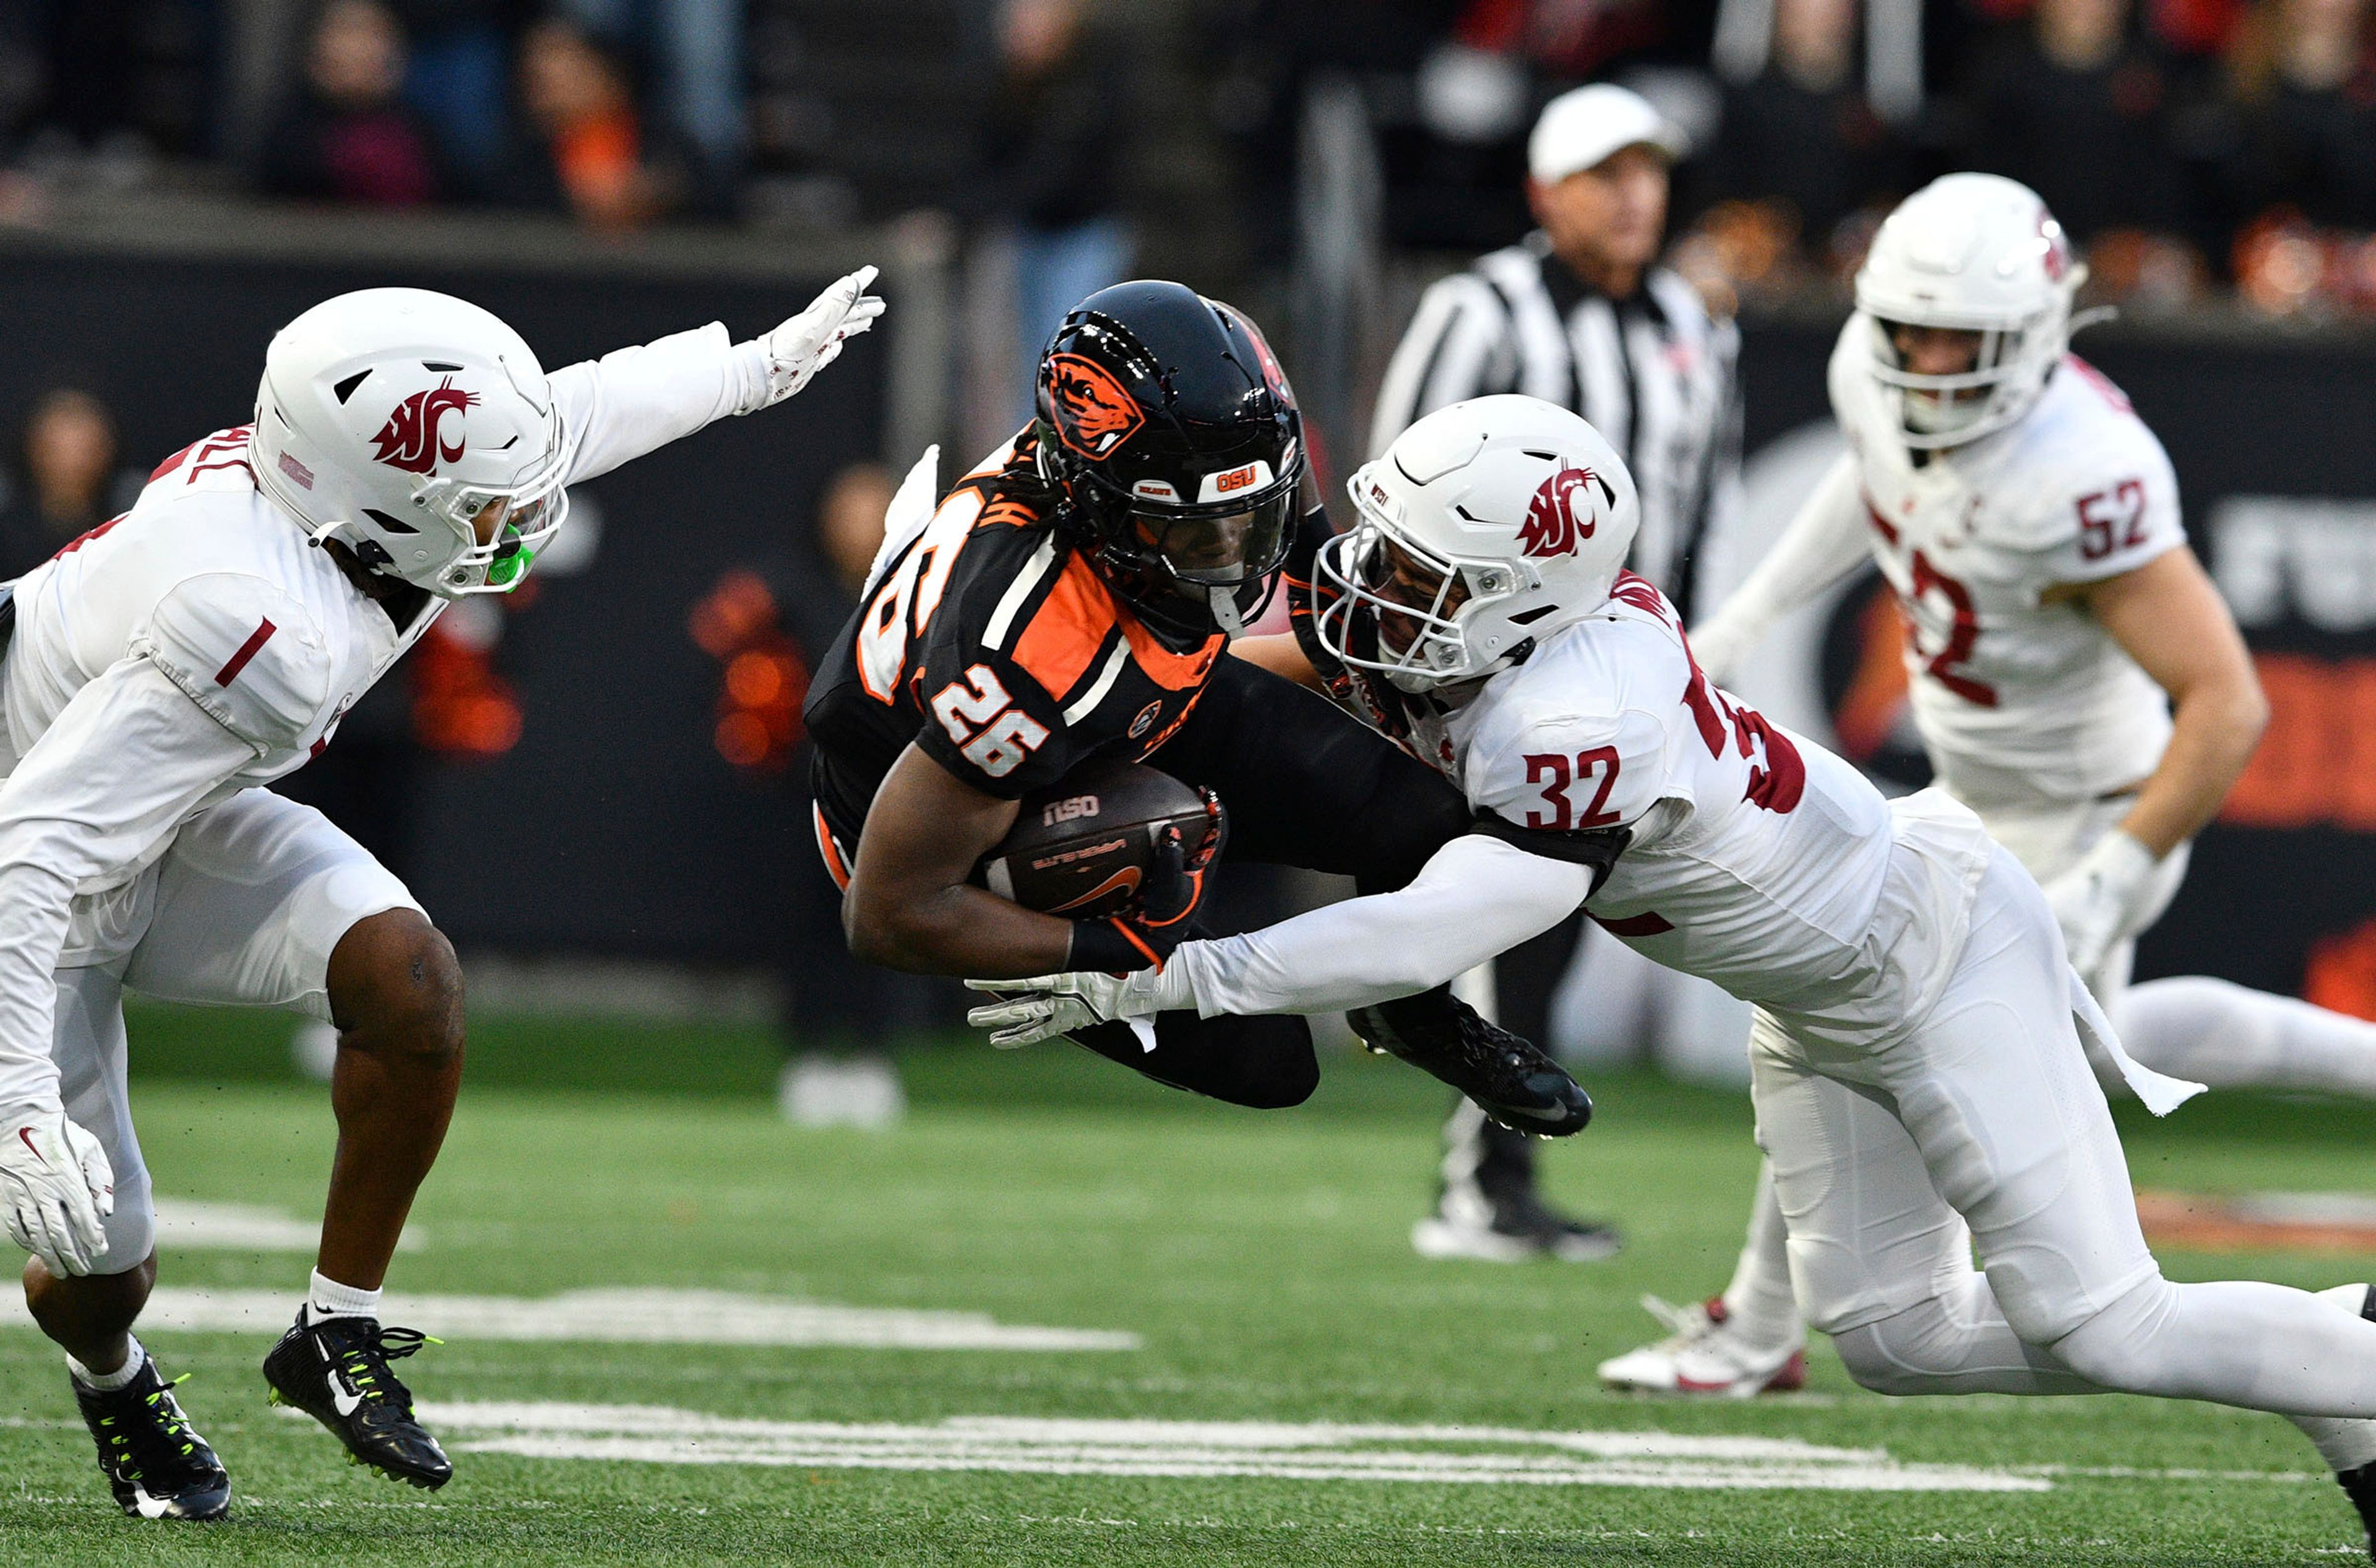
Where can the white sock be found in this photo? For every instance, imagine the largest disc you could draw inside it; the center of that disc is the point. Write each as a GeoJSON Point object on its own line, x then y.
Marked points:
{"type": "Point", "coordinates": [2224, 1035]}
{"type": "Point", "coordinates": [328, 1298]}
{"type": "Point", "coordinates": [1759, 1303]}
{"type": "Point", "coordinates": [108, 1383]}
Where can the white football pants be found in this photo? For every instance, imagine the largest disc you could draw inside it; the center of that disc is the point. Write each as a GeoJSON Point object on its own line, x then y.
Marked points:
{"type": "Point", "coordinates": [1984, 1126]}
{"type": "Point", "coordinates": [2192, 1027]}
{"type": "Point", "coordinates": [244, 909]}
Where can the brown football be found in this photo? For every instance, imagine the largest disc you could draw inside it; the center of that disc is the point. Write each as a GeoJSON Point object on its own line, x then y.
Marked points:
{"type": "Point", "coordinates": [1081, 847]}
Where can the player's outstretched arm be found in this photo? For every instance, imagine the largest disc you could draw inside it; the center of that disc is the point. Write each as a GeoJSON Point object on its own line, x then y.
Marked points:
{"type": "Point", "coordinates": [910, 903]}
{"type": "Point", "coordinates": [1478, 897]}
{"type": "Point", "coordinates": [1823, 543]}
{"type": "Point", "coordinates": [636, 400]}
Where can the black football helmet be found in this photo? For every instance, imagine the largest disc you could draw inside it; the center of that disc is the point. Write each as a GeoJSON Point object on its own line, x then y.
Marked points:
{"type": "Point", "coordinates": [1165, 420]}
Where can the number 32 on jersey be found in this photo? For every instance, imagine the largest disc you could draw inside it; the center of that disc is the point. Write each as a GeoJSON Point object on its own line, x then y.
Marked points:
{"type": "Point", "coordinates": [1777, 774]}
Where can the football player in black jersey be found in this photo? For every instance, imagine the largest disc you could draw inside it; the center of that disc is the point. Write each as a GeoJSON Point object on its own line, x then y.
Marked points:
{"type": "Point", "coordinates": [1074, 597]}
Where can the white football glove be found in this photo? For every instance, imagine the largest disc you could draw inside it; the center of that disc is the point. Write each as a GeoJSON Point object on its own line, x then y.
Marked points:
{"type": "Point", "coordinates": [1029, 1011]}
{"type": "Point", "coordinates": [796, 350]}
{"type": "Point", "coordinates": [55, 1187]}
{"type": "Point", "coordinates": [2101, 899]}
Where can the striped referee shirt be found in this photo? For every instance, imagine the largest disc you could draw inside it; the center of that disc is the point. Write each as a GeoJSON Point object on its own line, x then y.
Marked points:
{"type": "Point", "coordinates": [1653, 373]}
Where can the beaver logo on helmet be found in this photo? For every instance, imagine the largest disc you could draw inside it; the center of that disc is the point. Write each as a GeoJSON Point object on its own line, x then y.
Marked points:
{"type": "Point", "coordinates": [1095, 413]}
{"type": "Point", "coordinates": [1554, 525]}
{"type": "Point", "coordinates": [411, 439]}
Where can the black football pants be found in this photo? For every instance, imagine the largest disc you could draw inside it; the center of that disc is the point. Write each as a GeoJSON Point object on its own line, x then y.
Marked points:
{"type": "Point", "coordinates": [1305, 785]}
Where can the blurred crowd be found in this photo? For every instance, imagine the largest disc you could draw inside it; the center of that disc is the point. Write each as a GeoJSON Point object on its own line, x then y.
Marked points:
{"type": "Point", "coordinates": [2189, 144]}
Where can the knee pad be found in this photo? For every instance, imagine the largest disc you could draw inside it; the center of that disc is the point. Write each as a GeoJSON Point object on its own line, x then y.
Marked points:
{"type": "Point", "coordinates": [1941, 1347]}
{"type": "Point", "coordinates": [1872, 1359]}
{"type": "Point", "coordinates": [1920, 1351]}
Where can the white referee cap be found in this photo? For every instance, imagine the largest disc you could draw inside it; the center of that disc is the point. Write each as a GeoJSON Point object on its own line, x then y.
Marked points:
{"type": "Point", "coordinates": [1580, 129]}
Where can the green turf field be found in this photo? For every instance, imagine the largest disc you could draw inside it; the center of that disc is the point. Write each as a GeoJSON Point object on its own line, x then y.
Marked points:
{"type": "Point", "coordinates": [1259, 1260]}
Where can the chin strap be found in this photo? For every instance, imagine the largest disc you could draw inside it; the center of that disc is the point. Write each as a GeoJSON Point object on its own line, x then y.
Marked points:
{"type": "Point", "coordinates": [316, 537]}
{"type": "Point", "coordinates": [1224, 604]}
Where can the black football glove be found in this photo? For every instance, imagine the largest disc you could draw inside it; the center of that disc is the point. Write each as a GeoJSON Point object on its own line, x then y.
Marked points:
{"type": "Point", "coordinates": [1142, 936]}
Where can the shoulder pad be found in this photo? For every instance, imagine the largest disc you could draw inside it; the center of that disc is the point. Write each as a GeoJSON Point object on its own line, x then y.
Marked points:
{"type": "Point", "coordinates": [243, 650]}
{"type": "Point", "coordinates": [2086, 469]}
{"type": "Point", "coordinates": [1571, 774]}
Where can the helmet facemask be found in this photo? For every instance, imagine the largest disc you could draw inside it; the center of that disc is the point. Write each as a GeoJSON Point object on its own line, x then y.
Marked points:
{"type": "Point", "coordinates": [524, 517]}
{"type": "Point", "coordinates": [2008, 371]}
{"type": "Point", "coordinates": [1403, 610]}
{"type": "Point", "coordinates": [1221, 556]}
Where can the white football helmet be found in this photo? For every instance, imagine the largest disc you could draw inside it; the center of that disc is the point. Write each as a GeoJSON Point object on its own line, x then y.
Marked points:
{"type": "Point", "coordinates": [396, 418]}
{"type": "Point", "coordinates": [1486, 526]}
{"type": "Point", "coordinates": [1974, 253]}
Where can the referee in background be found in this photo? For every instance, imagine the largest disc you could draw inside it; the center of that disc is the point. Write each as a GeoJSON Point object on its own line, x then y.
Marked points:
{"type": "Point", "coordinates": [1578, 313]}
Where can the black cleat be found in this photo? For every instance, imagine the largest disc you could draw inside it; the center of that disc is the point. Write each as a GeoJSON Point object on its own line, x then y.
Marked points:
{"type": "Point", "coordinates": [1508, 1078]}
{"type": "Point", "coordinates": [155, 1461]}
{"type": "Point", "coordinates": [335, 1369]}
{"type": "Point", "coordinates": [2359, 1485]}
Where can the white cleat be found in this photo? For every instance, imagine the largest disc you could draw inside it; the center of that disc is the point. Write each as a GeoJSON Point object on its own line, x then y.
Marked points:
{"type": "Point", "coordinates": [1705, 1358]}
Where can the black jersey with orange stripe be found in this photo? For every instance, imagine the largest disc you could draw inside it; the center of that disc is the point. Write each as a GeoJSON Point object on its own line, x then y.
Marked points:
{"type": "Point", "coordinates": [996, 647]}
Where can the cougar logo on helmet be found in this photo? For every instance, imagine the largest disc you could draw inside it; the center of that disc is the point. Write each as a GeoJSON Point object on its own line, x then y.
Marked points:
{"type": "Point", "coordinates": [1095, 413]}
{"type": "Point", "coordinates": [410, 440]}
{"type": "Point", "coordinates": [1553, 524]}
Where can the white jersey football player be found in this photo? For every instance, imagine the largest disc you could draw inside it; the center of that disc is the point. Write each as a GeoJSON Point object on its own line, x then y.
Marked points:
{"type": "Point", "coordinates": [1920, 1056]}
{"type": "Point", "coordinates": [406, 449]}
{"type": "Point", "coordinates": [2029, 522]}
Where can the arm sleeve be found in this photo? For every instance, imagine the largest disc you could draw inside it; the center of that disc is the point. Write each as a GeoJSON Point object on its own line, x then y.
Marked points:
{"type": "Point", "coordinates": [633, 401]}
{"type": "Point", "coordinates": [1823, 543]}
{"type": "Point", "coordinates": [109, 782]}
{"type": "Point", "coordinates": [1477, 897]}
{"type": "Point", "coordinates": [1457, 347]}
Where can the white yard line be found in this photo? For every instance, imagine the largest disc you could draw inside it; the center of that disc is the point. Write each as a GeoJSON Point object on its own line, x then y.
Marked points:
{"type": "Point", "coordinates": [628, 1316]}
{"type": "Point", "coordinates": [1266, 1450]}
{"type": "Point", "coordinates": [184, 1224]}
